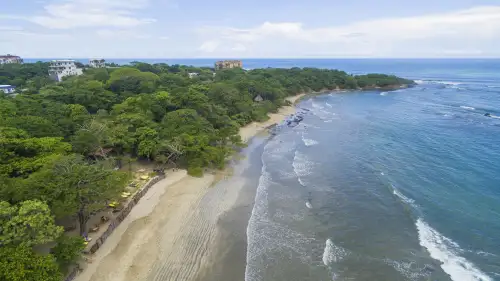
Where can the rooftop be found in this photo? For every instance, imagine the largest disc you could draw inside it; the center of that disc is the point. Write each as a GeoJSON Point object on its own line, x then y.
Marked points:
{"type": "Point", "coordinates": [63, 61]}
{"type": "Point", "coordinates": [7, 86]}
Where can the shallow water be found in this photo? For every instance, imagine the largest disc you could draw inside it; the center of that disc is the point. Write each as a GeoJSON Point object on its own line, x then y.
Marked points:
{"type": "Point", "coordinates": [396, 185]}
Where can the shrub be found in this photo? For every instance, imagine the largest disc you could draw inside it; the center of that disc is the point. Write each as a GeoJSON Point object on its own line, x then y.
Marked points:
{"type": "Point", "coordinates": [195, 171]}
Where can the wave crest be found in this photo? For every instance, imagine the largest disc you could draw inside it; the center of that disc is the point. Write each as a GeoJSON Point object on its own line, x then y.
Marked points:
{"type": "Point", "coordinates": [333, 253]}
{"type": "Point", "coordinates": [448, 252]}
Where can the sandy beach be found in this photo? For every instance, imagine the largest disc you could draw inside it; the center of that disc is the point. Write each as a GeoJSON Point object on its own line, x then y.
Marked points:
{"type": "Point", "coordinates": [172, 233]}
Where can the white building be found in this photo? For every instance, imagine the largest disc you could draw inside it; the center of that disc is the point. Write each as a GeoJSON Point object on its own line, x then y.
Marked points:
{"type": "Point", "coordinates": [7, 89]}
{"type": "Point", "coordinates": [62, 68]}
{"type": "Point", "coordinates": [97, 63]}
{"type": "Point", "coordinates": [10, 59]}
{"type": "Point", "coordinates": [192, 74]}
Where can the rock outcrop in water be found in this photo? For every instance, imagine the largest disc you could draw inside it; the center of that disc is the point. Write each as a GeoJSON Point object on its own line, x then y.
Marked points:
{"type": "Point", "coordinates": [294, 119]}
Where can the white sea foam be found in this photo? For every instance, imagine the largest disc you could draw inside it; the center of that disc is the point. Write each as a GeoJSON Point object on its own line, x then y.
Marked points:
{"type": "Point", "coordinates": [333, 253]}
{"type": "Point", "coordinates": [308, 205]}
{"type": "Point", "coordinates": [382, 173]}
{"type": "Point", "coordinates": [383, 94]}
{"type": "Point", "coordinates": [467, 107]}
{"type": "Point", "coordinates": [302, 165]}
{"type": "Point", "coordinates": [447, 83]}
{"type": "Point", "coordinates": [265, 235]}
{"type": "Point", "coordinates": [448, 252]}
{"type": "Point", "coordinates": [321, 112]}
{"type": "Point", "coordinates": [485, 254]}
{"type": "Point", "coordinates": [307, 125]}
{"type": "Point", "coordinates": [308, 142]}
{"type": "Point", "coordinates": [317, 105]}
{"type": "Point", "coordinates": [409, 270]}
{"type": "Point", "coordinates": [329, 105]}
{"type": "Point", "coordinates": [403, 197]}
{"type": "Point", "coordinates": [494, 116]}
{"type": "Point", "coordinates": [303, 183]}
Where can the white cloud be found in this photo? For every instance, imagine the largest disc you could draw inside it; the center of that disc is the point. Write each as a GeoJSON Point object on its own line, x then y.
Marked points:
{"type": "Point", "coordinates": [209, 46]}
{"type": "Point", "coordinates": [476, 30]}
{"type": "Point", "coordinates": [239, 48]}
{"type": "Point", "coordinates": [121, 34]}
{"type": "Point", "coordinates": [10, 28]}
{"type": "Point", "coordinates": [91, 13]}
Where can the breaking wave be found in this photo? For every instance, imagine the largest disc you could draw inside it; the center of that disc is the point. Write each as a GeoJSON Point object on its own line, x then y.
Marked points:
{"type": "Point", "coordinates": [333, 253]}
{"type": "Point", "coordinates": [308, 142]}
{"type": "Point", "coordinates": [302, 166]}
{"type": "Point", "coordinates": [448, 252]}
{"type": "Point", "coordinates": [402, 197]}
{"type": "Point", "coordinates": [467, 107]}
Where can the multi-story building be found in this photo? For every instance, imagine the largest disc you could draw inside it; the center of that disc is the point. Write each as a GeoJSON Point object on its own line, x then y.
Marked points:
{"type": "Point", "coordinates": [97, 63]}
{"type": "Point", "coordinates": [62, 68]}
{"type": "Point", "coordinates": [10, 59]}
{"type": "Point", "coordinates": [7, 89]}
{"type": "Point", "coordinates": [225, 64]}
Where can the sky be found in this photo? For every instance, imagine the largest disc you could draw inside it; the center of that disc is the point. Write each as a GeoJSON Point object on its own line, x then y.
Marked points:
{"type": "Point", "coordinates": [250, 29]}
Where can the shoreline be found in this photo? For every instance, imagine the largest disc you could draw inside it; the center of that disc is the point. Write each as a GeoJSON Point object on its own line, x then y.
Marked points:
{"type": "Point", "coordinates": [251, 130]}
{"type": "Point", "coordinates": [338, 90]}
{"type": "Point", "coordinates": [171, 232]}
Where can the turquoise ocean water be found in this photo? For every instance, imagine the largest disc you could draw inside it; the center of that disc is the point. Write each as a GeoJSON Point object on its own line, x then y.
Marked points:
{"type": "Point", "coordinates": [401, 185]}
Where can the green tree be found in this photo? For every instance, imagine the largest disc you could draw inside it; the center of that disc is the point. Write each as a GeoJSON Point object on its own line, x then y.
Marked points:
{"type": "Point", "coordinates": [91, 138]}
{"type": "Point", "coordinates": [29, 223]}
{"type": "Point", "coordinates": [22, 264]}
{"type": "Point", "coordinates": [71, 185]}
{"type": "Point", "coordinates": [132, 80]}
{"type": "Point", "coordinates": [67, 250]}
{"type": "Point", "coordinates": [22, 156]}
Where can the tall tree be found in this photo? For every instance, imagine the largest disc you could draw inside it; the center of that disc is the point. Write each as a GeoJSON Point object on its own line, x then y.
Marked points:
{"type": "Point", "coordinates": [71, 185]}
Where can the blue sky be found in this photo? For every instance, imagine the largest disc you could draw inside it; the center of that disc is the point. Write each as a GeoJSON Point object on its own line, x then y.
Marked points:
{"type": "Point", "coordinates": [250, 29]}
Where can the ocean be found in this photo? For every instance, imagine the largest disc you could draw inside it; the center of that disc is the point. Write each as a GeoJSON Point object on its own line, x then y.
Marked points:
{"type": "Point", "coordinates": [400, 185]}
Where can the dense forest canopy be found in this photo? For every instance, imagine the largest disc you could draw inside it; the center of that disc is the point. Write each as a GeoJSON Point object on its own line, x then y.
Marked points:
{"type": "Point", "coordinates": [60, 142]}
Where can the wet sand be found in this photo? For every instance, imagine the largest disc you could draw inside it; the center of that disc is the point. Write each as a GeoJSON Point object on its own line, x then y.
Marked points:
{"type": "Point", "coordinates": [187, 228]}
{"type": "Point", "coordinates": [227, 258]}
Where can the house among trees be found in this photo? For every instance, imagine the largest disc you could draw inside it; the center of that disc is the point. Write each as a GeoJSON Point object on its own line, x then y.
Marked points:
{"type": "Point", "coordinates": [192, 74]}
{"type": "Point", "coordinates": [7, 89]}
{"type": "Point", "coordinates": [62, 68]}
{"type": "Point", "coordinates": [97, 63]}
{"type": "Point", "coordinates": [258, 98]}
{"type": "Point", "coordinates": [10, 59]}
{"type": "Point", "coordinates": [226, 64]}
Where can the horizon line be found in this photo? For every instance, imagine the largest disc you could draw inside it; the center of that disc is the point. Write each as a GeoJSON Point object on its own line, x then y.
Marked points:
{"type": "Point", "coordinates": [268, 58]}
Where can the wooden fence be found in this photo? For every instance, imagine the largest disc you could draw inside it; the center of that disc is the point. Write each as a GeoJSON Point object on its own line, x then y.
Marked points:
{"type": "Point", "coordinates": [115, 222]}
